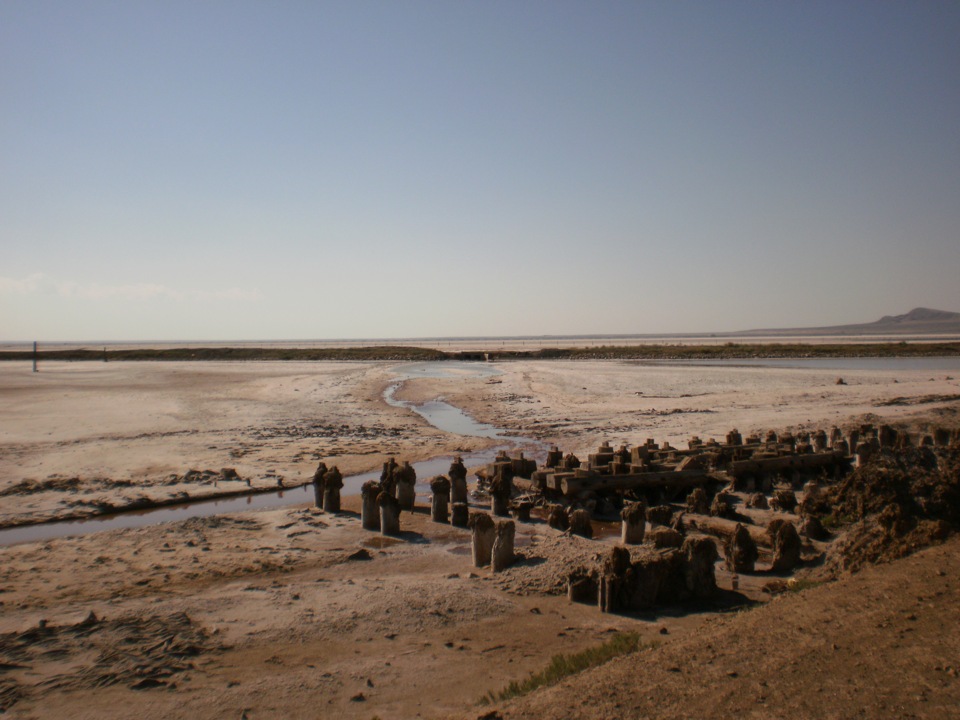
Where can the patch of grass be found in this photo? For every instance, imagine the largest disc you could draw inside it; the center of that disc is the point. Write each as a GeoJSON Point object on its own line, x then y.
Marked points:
{"type": "Point", "coordinates": [562, 666]}
{"type": "Point", "coordinates": [833, 521]}
{"type": "Point", "coordinates": [799, 585]}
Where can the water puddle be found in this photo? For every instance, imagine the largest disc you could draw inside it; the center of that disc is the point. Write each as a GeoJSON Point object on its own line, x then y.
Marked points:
{"type": "Point", "coordinates": [151, 516]}
{"type": "Point", "coordinates": [438, 413]}
{"type": "Point", "coordinates": [846, 364]}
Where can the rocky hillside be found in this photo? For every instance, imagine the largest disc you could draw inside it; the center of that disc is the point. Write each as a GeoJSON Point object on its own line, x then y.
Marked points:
{"type": "Point", "coordinates": [919, 321]}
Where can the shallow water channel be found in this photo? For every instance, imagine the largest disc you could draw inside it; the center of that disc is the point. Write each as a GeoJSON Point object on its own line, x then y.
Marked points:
{"type": "Point", "coordinates": [438, 413]}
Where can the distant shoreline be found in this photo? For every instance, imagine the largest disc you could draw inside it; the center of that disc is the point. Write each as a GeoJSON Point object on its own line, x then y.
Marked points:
{"type": "Point", "coordinates": [724, 351]}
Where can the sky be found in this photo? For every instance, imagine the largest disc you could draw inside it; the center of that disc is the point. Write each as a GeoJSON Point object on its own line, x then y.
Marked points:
{"type": "Point", "coordinates": [181, 170]}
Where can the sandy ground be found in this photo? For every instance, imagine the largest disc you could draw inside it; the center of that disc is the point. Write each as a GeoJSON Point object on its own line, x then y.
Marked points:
{"type": "Point", "coordinates": [580, 404]}
{"type": "Point", "coordinates": [273, 613]}
{"type": "Point", "coordinates": [129, 432]}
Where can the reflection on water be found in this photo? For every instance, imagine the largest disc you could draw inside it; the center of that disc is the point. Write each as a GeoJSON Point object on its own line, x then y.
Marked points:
{"type": "Point", "coordinates": [139, 518]}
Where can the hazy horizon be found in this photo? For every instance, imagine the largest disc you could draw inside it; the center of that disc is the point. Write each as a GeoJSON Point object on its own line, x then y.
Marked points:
{"type": "Point", "coordinates": [772, 335]}
{"type": "Point", "coordinates": [858, 333]}
{"type": "Point", "coordinates": [432, 170]}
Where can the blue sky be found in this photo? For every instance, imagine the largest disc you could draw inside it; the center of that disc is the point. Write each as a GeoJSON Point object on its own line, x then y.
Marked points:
{"type": "Point", "coordinates": [283, 170]}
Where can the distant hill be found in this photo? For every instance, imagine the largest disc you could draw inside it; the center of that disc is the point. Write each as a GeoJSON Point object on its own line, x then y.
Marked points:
{"type": "Point", "coordinates": [919, 321]}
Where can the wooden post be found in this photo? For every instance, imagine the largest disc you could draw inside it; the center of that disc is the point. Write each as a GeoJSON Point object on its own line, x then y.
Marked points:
{"type": "Point", "coordinates": [634, 523]}
{"type": "Point", "coordinates": [459, 514]}
{"type": "Point", "coordinates": [458, 481]}
{"type": "Point", "coordinates": [484, 530]}
{"type": "Point", "coordinates": [501, 554]}
{"type": "Point", "coordinates": [369, 511]}
{"type": "Point", "coordinates": [440, 487]}
{"type": "Point", "coordinates": [406, 478]}
{"type": "Point", "coordinates": [332, 482]}
{"type": "Point", "coordinates": [389, 514]}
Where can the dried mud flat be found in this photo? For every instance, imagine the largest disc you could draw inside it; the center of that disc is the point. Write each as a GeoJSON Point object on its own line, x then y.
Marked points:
{"type": "Point", "coordinates": [295, 613]}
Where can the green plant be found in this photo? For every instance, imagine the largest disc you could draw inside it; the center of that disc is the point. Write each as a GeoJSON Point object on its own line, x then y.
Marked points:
{"type": "Point", "coordinates": [799, 585]}
{"type": "Point", "coordinates": [562, 666]}
{"type": "Point", "coordinates": [834, 521]}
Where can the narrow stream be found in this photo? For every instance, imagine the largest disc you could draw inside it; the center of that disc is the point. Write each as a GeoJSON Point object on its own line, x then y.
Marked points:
{"type": "Point", "coordinates": [437, 412]}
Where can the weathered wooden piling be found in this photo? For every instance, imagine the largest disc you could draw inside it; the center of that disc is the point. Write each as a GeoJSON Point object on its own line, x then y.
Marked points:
{"type": "Point", "coordinates": [458, 481]}
{"type": "Point", "coordinates": [332, 482]}
{"type": "Point", "coordinates": [557, 517]}
{"type": "Point", "coordinates": [459, 514]}
{"type": "Point", "coordinates": [633, 523]}
{"type": "Point", "coordinates": [786, 545]}
{"type": "Point", "coordinates": [318, 484]}
{"type": "Point", "coordinates": [613, 592]}
{"type": "Point", "coordinates": [369, 510]}
{"type": "Point", "coordinates": [580, 523]}
{"type": "Point", "coordinates": [819, 441]}
{"type": "Point", "coordinates": [554, 457]}
{"type": "Point", "coordinates": [501, 553]}
{"type": "Point", "coordinates": [387, 482]}
{"type": "Point", "coordinates": [389, 514]}
{"type": "Point", "coordinates": [521, 510]}
{"type": "Point", "coordinates": [740, 551]}
{"type": "Point", "coordinates": [698, 502]}
{"type": "Point", "coordinates": [581, 587]}
{"type": "Point", "coordinates": [699, 557]}
{"type": "Point", "coordinates": [865, 451]}
{"type": "Point", "coordinates": [440, 487]}
{"type": "Point", "coordinates": [484, 532]}
{"type": "Point", "coordinates": [888, 436]}
{"type": "Point", "coordinates": [406, 478]}
{"type": "Point", "coordinates": [501, 487]}
{"type": "Point", "coordinates": [853, 438]}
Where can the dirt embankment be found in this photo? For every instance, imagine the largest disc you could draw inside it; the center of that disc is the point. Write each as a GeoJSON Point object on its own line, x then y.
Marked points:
{"type": "Point", "coordinates": [882, 643]}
